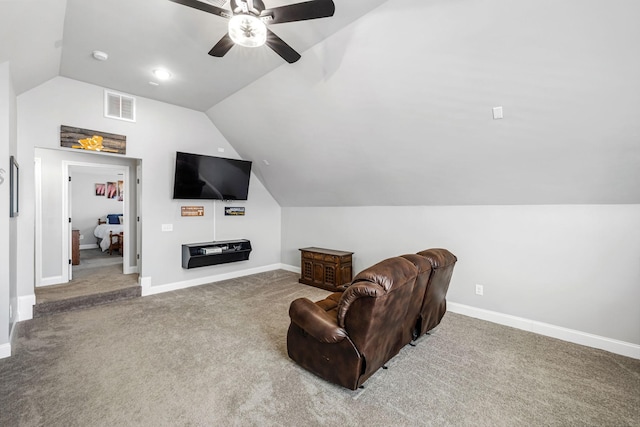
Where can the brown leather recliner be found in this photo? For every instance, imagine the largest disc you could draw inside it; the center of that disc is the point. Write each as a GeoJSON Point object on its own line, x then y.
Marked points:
{"type": "Point", "coordinates": [348, 336]}
{"type": "Point", "coordinates": [347, 342]}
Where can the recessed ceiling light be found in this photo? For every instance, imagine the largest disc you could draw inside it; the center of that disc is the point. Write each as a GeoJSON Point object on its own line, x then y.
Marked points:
{"type": "Point", "coordinates": [100, 56]}
{"type": "Point", "coordinates": [154, 83]}
{"type": "Point", "coordinates": [162, 74]}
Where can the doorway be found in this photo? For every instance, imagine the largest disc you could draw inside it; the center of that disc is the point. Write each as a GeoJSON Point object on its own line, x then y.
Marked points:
{"type": "Point", "coordinates": [91, 186]}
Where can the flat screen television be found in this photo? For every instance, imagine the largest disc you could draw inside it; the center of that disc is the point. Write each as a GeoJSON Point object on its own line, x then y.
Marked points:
{"type": "Point", "coordinates": [206, 177]}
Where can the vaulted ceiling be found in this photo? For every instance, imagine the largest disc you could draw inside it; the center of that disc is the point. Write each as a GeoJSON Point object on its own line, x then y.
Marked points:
{"type": "Point", "coordinates": [391, 103]}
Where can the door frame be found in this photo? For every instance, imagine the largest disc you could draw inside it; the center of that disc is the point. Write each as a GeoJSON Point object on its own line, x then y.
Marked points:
{"type": "Point", "coordinates": [127, 268]}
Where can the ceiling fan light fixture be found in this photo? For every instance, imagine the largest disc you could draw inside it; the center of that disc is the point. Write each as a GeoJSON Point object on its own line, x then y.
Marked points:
{"type": "Point", "coordinates": [247, 30]}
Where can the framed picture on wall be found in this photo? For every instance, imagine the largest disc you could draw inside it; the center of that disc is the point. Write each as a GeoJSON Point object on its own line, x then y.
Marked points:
{"type": "Point", "coordinates": [120, 191]}
{"type": "Point", "coordinates": [112, 190]}
{"type": "Point", "coordinates": [101, 189]}
{"type": "Point", "coordinates": [14, 182]}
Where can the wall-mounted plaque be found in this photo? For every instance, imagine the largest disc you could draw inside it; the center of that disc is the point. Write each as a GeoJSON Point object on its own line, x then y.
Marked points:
{"type": "Point", "coordinates": [231, 211]}
{"type": "Point", "coordinates": [192, 211]}
{"type": "Point", "coordinates": [92, 140]}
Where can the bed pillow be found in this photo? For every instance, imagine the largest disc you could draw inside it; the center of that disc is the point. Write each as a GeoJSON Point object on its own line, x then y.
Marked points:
{"type": "Point", "coordinates": [113, 218]}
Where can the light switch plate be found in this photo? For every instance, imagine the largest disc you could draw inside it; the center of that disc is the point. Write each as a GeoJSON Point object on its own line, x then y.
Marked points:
{"type": "Point", "coordinates": [167, 227]}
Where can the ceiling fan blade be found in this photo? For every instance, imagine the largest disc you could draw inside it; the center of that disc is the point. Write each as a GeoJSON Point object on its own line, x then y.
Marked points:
{"type": "Point", "coordinates": [222, 47]}
{"type": "Point", "coordinates": [205, 7]}
{"type": "Point", "coordinates": [281, 48]}
{"type": "Point", "coordinates": [300, 11]}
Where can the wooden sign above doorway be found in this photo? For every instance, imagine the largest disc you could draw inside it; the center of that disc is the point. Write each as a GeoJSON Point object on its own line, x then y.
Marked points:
{"type": "Point", "coordinates": [92, 140]}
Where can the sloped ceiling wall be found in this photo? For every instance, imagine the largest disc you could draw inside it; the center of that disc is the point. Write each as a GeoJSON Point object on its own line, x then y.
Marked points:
{"type": "Point", "coordinates": [396, 109]}
{"type": "Point", "coordinates": [31, 39]}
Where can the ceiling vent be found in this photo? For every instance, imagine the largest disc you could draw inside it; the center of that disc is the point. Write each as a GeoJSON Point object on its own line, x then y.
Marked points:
{"type": "Point", "coordinates": [219, 3]}
{"type": "Point", "coordinates": [119, 106]}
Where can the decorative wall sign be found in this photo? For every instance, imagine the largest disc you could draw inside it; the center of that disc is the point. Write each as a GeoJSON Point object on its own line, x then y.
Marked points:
{"type": "Point", "coordinates": [192, 211]}
{"type": "Point", "coordinates": [92, 140]}
{"type": "Point", "coordinates": [230, 211]}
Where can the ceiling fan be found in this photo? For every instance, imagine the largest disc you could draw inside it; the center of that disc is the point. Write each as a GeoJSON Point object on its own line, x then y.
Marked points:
{"type": "Point", "coordinates": [248, 20]}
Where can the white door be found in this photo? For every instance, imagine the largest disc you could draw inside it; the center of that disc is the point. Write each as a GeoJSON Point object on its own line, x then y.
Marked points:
{"type": "Point", "coordinates": [69, 225]}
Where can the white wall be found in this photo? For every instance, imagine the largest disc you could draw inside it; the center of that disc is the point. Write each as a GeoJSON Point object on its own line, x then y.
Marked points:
{"type": "Point", "coordinates": [576, 267]}
{"type": "Point", "coordinates": [87, 207]}
{"type": "Point", "coordinates": [159, 132]}
{"type": "Point", "coordinates": [8, 226]}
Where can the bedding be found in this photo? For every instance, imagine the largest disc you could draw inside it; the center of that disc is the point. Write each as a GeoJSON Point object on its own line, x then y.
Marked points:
{"type": "Point", "coordinates": [102, 233]}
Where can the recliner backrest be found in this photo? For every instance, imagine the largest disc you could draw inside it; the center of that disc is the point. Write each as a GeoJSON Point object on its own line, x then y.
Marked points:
{"type": "Point", "coordinates": [374, 309]}
{"type": "Point", "coordinates": [434, 305]}
{"type": "Point", "coordinates": [423, 265]}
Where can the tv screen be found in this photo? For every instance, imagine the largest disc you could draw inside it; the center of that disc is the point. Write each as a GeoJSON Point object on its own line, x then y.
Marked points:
{"type": "Point", "coordinates": [207, 177]}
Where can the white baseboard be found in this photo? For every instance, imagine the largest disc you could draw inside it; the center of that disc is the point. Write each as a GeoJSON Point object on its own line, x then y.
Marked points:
{"type": "Point", "coordinates": [89, 246]}
{"type": "Point", "coordinates": [147, 289]}
{"type": "Point", "coordinates": [5, 350]}
{"type": "Point", "coordinates": [565, 334]}
{"type": "Point", "coordinates": [145, 285]}
{"type": "Point", "coordinates": [129, 269]}
{"type": "Point", "coordinates": [53, 280]}
{"type": "Point", "coordinates": [25, 307]}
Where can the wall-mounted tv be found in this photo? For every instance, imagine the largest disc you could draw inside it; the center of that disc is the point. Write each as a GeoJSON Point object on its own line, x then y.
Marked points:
{"type": "Point", "coordinates": [206, 177]}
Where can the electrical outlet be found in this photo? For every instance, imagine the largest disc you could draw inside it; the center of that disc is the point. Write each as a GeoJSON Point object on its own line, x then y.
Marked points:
{"type": "Point", "coordinates": [479, 290]}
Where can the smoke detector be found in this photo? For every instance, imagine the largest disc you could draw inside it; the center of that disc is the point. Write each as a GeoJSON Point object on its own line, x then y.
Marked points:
{"type": "Point", "coordinates": [100, 56]}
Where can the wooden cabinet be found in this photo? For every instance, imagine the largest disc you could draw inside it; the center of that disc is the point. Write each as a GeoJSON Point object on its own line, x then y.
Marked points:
{"type": "Point", "coordinates": [325, 268]}
{"type": "Point", "coordinates": [75, 247]}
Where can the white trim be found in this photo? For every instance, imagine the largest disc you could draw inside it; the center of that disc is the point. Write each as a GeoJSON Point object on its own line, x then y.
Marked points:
{"type": "Point", "coordinates": [37, 166]}
{"type": "Point", "coordinates": [5, 350]}
{"type": "Point", "coordinates": [577, 337]}
{"type": "Point", "coordinates": [145, 285]}
{"type": "Point", "coordinates": [53, 280]}
{"type": "Point", "coordinates": [127, 268]}
{"type": "Point", "coordinates": [66, 225]}
{"type": "Point", "coordinates": [147, 289]}
{"type": "Point", "coordinates": [25, 307]}
{"type": "Point", "coordinates": [88, 246]}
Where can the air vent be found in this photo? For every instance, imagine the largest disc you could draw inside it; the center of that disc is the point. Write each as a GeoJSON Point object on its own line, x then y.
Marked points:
{"type": "Point", "coordinates": [218, 3]}
{"type": "Point", "coordinates": [119, 106]}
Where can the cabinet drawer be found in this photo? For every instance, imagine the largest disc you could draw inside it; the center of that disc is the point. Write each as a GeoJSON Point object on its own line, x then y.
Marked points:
{"type": "Point", "coordinates": [307, 255]}
{"type": "Point", "coordinates": [330, 258]}
{"type": "Point", "coordinates": [318, 256]}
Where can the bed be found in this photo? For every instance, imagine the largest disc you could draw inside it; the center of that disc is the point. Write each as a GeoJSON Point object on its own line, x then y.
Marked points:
{"type": "Point", "coordinates": [104, 230]}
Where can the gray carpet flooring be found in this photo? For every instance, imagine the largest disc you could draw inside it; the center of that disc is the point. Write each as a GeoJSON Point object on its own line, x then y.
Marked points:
{"type": "Point", "coordinates": [215, 355]}
{"type": "Point", "coordinates": [89, 287]}
{"type": "Point", "coordinates": [92, 258]}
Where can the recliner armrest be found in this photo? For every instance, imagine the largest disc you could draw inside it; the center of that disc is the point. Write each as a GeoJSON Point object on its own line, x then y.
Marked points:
{"type": "Point", "coordinates": [315, 321]}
